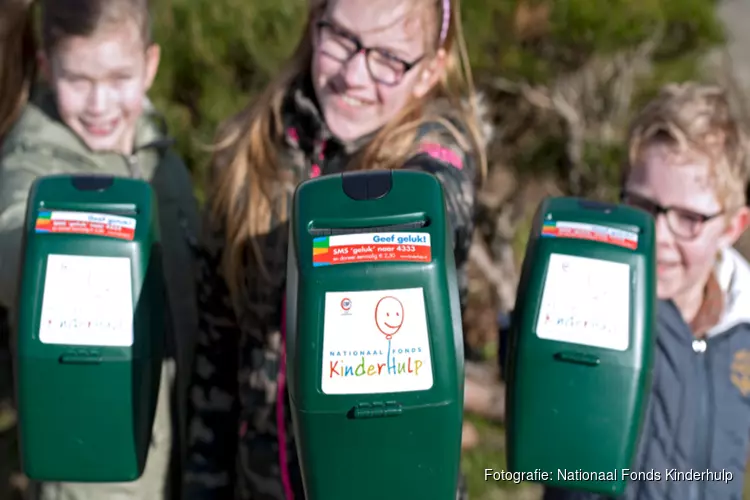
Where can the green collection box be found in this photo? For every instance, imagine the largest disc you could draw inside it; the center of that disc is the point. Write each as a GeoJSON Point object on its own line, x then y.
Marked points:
{"type": "Point", "coordinates": [581, 345]}
{"type": "Point", "coordinates": [89, 333]}
{"type": "Point", "coordinates": [374, 340]}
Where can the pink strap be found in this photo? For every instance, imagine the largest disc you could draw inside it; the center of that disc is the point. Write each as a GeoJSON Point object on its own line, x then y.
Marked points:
{"type": "Point", "coordinates": [446, 21]}
{"type": "Point", "coordinates": [280, 414]}
{"type": "Point", "coordinates": [442, 153]}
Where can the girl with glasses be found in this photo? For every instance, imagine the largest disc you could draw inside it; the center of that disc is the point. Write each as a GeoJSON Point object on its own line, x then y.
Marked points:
{"type": "Point", "coordinates": [373, 84]}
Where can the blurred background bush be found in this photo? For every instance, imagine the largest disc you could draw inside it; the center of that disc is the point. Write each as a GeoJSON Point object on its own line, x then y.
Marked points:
{"type": "Point", "coordinates": [559, 77]}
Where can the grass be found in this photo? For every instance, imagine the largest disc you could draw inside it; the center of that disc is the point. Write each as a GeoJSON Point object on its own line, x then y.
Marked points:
{"type": "Point", "coordinates": [490, 454]}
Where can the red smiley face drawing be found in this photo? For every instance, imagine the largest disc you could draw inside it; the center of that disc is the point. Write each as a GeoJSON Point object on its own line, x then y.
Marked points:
{"type": "Point", "coordinates": [389, 316]}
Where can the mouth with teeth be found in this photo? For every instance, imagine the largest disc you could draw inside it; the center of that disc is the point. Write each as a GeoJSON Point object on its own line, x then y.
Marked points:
{"type": "Point", "coordinates": [354, 102]}
{"type": "Point", "coordinates": [100, 128]}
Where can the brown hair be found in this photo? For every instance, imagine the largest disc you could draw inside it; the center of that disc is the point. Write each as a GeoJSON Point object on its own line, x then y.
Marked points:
{"type": "Point", "coordinates": [692, 118]}
{"type": "Point", "coordinates": [67, 18]}
{"type": "Point", "coordinates": [246, 163]}
{"type": "Point", "coordinates": [17, 59]}
{"type": "Point", "coordinates": [60, 19]}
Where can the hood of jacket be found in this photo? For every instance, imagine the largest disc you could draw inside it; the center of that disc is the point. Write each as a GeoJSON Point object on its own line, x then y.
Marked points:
{"type": "Point", "coordinates": [733, 275]}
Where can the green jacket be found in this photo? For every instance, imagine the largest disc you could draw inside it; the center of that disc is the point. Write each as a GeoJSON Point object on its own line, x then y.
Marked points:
{"type": "Point", "coordinates": [40, 144]}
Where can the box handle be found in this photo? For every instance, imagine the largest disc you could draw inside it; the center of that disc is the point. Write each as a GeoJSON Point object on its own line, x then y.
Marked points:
{"type": "Point", "coordinates": [376, 410]}
{"type": "Point", "coordinates": [78, 358]}
{"type": "Point", "coordinates": [578, 358]}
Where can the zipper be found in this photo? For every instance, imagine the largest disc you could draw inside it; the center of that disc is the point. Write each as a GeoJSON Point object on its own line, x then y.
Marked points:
{"type": "Point", "coordinates": [135, 170]}
{"type": "Point", "coordinates": [134, 165]}
{"type": "Point", "coordinates": [319, 160]}
{"type": "Point", "coordinates": [281, 411]}
{"type": "Point", "coordinates": [704, 426]}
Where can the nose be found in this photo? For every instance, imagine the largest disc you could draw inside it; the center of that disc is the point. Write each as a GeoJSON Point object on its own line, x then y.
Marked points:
{"type": "Point", "coordinates": [355, 70]}
{"type": "Point", "coordinates": [97, 101]}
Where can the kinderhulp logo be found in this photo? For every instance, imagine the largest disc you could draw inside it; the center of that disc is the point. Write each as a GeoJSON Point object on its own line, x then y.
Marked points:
{"type": "Point", "coordinates": [381, 345]}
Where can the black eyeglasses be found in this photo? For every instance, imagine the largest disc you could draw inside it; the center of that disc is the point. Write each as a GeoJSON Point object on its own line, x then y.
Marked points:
{"type": "Point", "coordinates": [685, 224]}
{"type": "Point", "coordinates": [384, 68]}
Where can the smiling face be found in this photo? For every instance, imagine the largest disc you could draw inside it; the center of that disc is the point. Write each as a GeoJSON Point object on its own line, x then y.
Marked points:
{"type": "Point", "coordinates": [389, 315]}
{"type": "Point", "coordinates": [100, 83]}
{"type": "Point", "coordinates": [690, 237]}
{"type": "Point", "coordinates": [359, 92]}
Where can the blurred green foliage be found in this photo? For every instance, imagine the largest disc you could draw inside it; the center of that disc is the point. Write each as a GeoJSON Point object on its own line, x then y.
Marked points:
{"type": "Point", "coordinates": [578, 29]}
{"type": "Point", "coordinates": [217, 54]}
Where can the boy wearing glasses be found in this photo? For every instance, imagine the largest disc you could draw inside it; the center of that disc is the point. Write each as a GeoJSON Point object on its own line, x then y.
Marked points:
{"type": "Point", "coordinates": [688, 166]}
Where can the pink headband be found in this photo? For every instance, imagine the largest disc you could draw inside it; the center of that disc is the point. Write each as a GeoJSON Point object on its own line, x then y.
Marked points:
{"type": "Point", "coordinates": [446, 20]}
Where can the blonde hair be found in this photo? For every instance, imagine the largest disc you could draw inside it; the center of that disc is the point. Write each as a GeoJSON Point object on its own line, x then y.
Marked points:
{"type": "Point", "coordinates": [692, 118]}
{"type": "Point", "coordinates": [17, 59]}
{"type": "Point", "coordinates": [246, 187]}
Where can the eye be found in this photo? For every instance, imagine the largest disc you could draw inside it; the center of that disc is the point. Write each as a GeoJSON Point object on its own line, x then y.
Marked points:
{"type": "Point", "coordinates": [689, 217]}
{"type": "Point", "coordinates": [383, 58]}
{"type": "Point", "coordinates": [76, 80]}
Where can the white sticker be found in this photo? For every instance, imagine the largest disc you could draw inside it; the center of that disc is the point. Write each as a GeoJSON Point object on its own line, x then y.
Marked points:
{"type": "Point", "coordinates": [586, 301]}
{"type": "Point", "coordinates": [376, 342]}
{"type": "Point", "coordinates": [87, 301]}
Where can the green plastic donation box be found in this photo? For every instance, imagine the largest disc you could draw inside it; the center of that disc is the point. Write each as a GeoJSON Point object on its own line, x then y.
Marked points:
{"type": "Point", "coordinates": [89, 329]}
{"type": "Point", "coordinates": [581, 345]}
{"type": "Point", "coordinates": [374, 338]}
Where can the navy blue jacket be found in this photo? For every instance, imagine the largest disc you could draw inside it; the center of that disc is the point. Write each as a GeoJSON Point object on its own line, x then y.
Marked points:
{"type": "Point", "coordinates": [698, 416]}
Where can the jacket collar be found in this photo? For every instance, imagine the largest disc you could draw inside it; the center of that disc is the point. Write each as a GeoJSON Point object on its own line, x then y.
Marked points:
{"type": "Point", "coordinates": [733, 275]}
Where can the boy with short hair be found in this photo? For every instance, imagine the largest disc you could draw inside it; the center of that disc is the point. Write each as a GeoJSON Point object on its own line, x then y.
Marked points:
{"type": "Point", "coordinates": [688, 166]}
{"type": "Point", "coordinates": [99, 60]}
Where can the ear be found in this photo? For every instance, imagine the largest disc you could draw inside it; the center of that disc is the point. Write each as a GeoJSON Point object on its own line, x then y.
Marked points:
{"type": "Point", "coordinates": [431, 73]}
{"type": "Point", "coordinates": [44, 65]}
{"type": "Point", "coordinates": [736, 226]}
{"type": "Point", "coordinates": [153, 56]}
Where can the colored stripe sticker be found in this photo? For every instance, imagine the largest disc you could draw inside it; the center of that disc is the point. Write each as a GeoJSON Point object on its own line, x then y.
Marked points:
{"type": "Point", "coordinates": [372, 247]}
{"type": "Point", "coordinates": [590, 232]}
{"type": "Point", "coordinates": [88, 223]}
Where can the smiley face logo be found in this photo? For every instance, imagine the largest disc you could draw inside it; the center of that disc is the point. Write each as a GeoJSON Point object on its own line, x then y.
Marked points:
{"type": "Point", "coordinates": [389, 316]}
